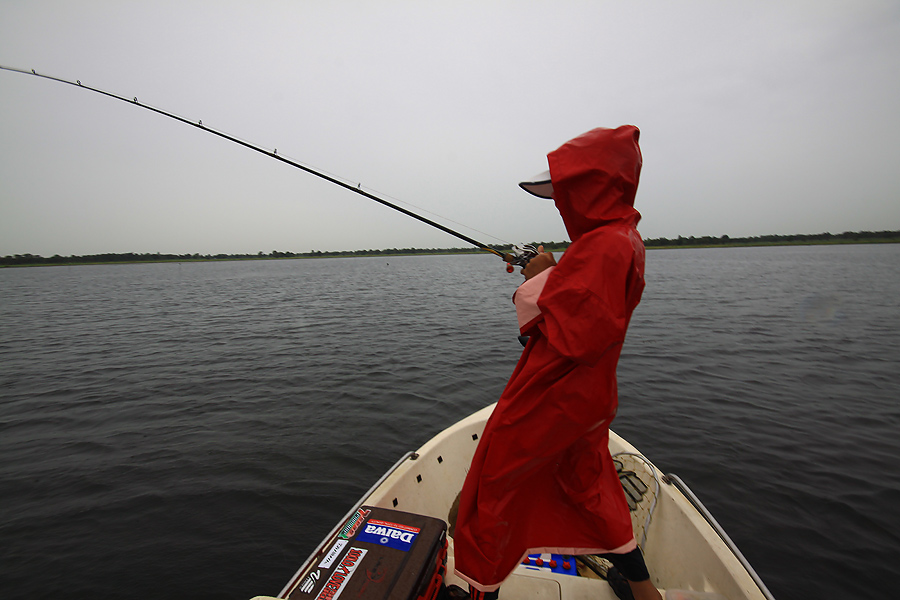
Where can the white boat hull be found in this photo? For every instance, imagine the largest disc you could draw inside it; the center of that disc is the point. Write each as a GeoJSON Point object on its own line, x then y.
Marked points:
{"type": "Point", "coordinates": [682, 548]}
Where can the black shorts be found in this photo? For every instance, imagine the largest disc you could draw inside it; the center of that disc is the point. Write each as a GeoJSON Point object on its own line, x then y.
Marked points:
{"type": "Point", "coordinates": [630, 565]}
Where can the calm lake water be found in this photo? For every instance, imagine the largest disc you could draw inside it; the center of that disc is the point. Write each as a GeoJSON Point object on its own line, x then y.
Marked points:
{"type": "Point", "coordinates": [193, 430]}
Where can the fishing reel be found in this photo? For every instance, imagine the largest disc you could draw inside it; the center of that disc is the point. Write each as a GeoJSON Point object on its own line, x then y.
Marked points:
{"type": "Point", "coordinates": [519, 256]}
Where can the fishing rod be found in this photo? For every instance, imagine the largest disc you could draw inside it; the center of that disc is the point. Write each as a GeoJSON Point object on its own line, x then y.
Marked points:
{"type": "Point", "coordinates": [519, 256]}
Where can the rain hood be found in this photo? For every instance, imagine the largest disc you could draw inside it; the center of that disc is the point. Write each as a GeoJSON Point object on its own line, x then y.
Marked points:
{"type": "Point", "coordinates": [595, 178]}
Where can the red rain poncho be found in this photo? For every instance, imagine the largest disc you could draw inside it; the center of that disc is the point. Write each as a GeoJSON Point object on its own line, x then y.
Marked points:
{"type": "Point", "coordinates": [542, 479]}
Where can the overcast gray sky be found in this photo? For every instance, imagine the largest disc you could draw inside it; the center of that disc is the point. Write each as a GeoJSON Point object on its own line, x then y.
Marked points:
{"type": "Point", "coordinates": [756, 118]}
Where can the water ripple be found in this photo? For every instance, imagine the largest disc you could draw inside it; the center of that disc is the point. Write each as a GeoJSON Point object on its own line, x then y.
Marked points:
{"type": "Point", "coordinates": [193, 430]}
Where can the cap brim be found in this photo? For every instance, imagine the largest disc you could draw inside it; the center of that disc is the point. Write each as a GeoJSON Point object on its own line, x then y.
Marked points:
{"type": "Point", "coordinates": [539, 185]}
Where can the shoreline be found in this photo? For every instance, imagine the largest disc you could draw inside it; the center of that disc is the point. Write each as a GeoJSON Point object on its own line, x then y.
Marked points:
{"type": "Point", "coordinates": [685, 245]}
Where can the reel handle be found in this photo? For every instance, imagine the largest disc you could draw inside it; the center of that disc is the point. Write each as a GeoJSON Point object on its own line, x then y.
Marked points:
{"type": "Point", "coordinates": [519, 256]}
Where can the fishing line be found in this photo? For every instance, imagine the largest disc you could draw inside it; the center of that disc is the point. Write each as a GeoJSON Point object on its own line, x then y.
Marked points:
{"type": "Point", "coordinates": [519, 256]}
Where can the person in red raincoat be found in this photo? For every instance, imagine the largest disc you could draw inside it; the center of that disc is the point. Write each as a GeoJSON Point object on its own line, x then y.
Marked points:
{"type": "Point", "coordinates": [542, 478]}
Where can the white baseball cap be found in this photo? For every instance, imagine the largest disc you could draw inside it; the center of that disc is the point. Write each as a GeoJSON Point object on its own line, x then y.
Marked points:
{"type": "Point", "coordinates": [539, 185]}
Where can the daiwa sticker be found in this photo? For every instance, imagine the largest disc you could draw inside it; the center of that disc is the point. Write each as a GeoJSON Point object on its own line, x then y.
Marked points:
{"type": "Point", "coordinates": [392, 535]}
{"type": "Point", "coordinates": [342, 574]}
{"type": "Point", "coordinates": [353, 523]}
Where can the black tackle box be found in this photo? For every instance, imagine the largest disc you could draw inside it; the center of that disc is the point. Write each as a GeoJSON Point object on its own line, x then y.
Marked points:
{"type": "Point", "coordinates": [379, 554]}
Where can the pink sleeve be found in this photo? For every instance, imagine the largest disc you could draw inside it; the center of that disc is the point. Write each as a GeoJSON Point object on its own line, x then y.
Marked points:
{"type": "Point", "coordinates": [526, 298]}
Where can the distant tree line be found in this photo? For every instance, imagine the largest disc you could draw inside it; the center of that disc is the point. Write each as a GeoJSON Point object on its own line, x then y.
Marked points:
{"type": "Point", "coordinates": [774, 240]}
{"type": "Point", "coordinates": [131, 257]}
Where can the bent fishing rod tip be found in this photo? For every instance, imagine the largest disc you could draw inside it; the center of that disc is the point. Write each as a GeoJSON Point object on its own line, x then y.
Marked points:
{"type": "Point", "coordinates": [519, 256]}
